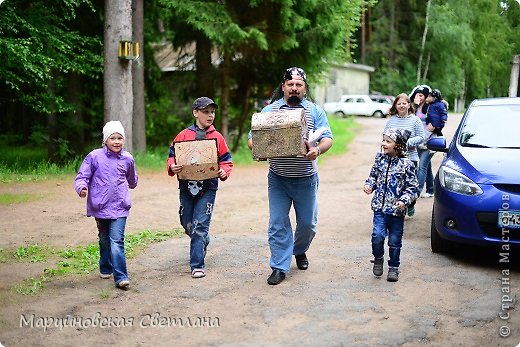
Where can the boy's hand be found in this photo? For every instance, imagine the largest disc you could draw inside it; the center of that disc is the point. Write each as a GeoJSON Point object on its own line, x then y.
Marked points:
{"type": "Point", "coordinates": [367, 190]}
{"type": "Point", "coordinates": [222, 174]}
{"type": "Point", "coordinates": [430, 127]}
{"type": "Point", "coordinates": [400, 205]}
{"type": "Point", "coordinates": [83, 193]}
{"type": "Point", "coordinates": [175, 168]}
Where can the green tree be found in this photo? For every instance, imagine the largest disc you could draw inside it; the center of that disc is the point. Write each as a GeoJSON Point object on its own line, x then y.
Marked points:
{"type": "Point", "coordinates": [40, 49]}
{"type": "Point", "coordinates": [256, 41]}
{"type": "Point", "coordinates": [466, 51]}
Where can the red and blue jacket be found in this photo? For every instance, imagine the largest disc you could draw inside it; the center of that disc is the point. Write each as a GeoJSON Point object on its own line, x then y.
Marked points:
{"type": "Point", "coordinates": [224, 156]}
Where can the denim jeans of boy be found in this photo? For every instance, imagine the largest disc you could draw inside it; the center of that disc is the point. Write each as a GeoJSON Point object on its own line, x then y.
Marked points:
{"type": "Point", "coordinates": [283, 192]}
{"type": "Point", "coordinates": [195, 216]}
{"type": "Point", "coordinates": [424, 171]}
{"type": "Point", "coordinates": [387, 224]}
{"type": "Point", "coordinates": [112, 247]}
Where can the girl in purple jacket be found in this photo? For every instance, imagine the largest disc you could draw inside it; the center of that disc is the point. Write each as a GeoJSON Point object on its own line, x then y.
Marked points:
{"type": "Point", "coordinates": [104, 178]}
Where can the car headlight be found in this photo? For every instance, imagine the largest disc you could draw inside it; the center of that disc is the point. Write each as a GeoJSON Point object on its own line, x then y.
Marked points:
{"type": "Point", "coordinates": [456, 182]}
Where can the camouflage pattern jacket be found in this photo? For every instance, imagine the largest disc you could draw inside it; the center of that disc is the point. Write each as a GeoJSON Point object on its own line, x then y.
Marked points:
{"type": "Point", "coordinates": [392, 179]}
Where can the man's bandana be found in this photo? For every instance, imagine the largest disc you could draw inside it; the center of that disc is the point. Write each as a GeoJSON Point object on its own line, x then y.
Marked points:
{"type": "Point", "coordinates": [294, 71]}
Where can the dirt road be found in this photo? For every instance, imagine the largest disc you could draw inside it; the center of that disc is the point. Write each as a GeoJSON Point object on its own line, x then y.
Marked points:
{"type": "Point", "coordinates": [439, 300]}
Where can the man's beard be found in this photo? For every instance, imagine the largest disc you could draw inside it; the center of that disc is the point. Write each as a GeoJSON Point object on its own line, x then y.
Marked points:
{"type": "Point", "coordinates": [294, 100]}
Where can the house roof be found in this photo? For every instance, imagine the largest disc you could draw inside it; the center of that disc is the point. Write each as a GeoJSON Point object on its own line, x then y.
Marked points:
{"type": "Point", "coordinates": [352, 66]}
{"type": "Point", "coordinates": [179, 59]}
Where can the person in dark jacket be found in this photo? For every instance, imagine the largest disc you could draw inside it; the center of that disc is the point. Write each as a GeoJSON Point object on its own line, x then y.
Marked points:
{"type": "Point", "coordinates": [436, 113]}
{"type": "Point", "coordinates": [393, 181]}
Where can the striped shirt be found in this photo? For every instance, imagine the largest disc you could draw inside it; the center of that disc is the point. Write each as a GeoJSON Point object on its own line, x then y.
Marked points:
{"type": "Point", "coordinates": [316, 118]}
{"type": "Point", "coordinates": [413, 124]}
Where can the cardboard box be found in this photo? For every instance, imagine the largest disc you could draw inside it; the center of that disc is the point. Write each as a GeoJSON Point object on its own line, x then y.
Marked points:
{"type": "Point", "coordinates": [199, 157]}
{"type": "Point", "coordinates": [279, 134]}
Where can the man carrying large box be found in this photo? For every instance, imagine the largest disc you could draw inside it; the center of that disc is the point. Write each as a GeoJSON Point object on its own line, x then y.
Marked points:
{"type": "Point", "coordinates": [293, 180]}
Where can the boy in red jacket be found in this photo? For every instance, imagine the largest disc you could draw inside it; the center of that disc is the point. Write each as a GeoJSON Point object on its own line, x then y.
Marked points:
{"type": "Point", "coordinates": [198, 197]}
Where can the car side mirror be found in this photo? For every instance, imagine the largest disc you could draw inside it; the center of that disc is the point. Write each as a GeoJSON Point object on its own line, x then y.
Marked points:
{"type": "Point", "coordinates": [437, 144]}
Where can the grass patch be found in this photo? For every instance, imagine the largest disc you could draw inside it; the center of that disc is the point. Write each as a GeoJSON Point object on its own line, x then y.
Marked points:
{"type": "Point", "coordinates": [3, 258]}
{"type": "Point", "coordinates": [344, 131]}
{"type": "Point", "coordinates": [9, 199]}
{"type": "Point", "coordinates": [105, 294]}
{"type": "Point", "coordinates": [33, 253]}
{"type": "Point", "coordinates": [152, 160]}
{"type": "Point", "coordinates": [31, 286]}
{"type": "Point", "coordinates": [80, 260]}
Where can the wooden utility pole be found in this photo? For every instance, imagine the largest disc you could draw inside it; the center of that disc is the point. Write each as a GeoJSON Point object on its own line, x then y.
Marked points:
{"type": "Point", "coordinates": [514, 89]}
{"type": "Point", "coordinates": [139, 117]}
{"type": "Point", "coordinates": [117, 76]}
{"type": "Point", "coordinates": [363, 35]}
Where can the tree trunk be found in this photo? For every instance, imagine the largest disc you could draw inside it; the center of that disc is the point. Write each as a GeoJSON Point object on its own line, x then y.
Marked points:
{"type": "Point", "coordinates": [427, 66]}
{"type": "Point", "coordinates": [204, 71]}
{"type": "Point", "coordinates": [117, 76]}
{"type": "Point", "coordinates": [52, 128]}
{"type": "Point", "coordinates": [363, 35]}
{"type": "Point", "coordinates": [139, 117]}
{"type": "Point", "coordinates": [393, 34]}
{"type": "Point", "coordinates": [224, 103]}
{"type": "Point", "coordinates": [74, 93]}
{"type": "Point", "coordinates": [423, 42]}
{"type": "Point", "coordinates": [245, 91]}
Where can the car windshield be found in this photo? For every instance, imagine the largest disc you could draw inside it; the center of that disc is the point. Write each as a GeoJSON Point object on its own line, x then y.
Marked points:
{"type": "Point", "coordinates": [491, 126]}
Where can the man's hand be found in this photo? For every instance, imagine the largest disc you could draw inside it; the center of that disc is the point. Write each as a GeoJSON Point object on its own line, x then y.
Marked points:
{"type": "Point", "coordinates": [312, 152]}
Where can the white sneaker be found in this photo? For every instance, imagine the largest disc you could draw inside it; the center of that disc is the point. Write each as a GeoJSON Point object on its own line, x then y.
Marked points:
{"type": "Point", "coordinates": [426, 195]}
{"type": "Point", "coordinates": [198, 273]}
{"type": "Point", "coordinates": [123, 284]}
{"type": "Point", "coordinates": [105, 276]}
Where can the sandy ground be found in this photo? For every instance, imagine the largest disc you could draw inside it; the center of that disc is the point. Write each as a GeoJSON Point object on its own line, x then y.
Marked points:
{"type": "Point", "coordinates": [440, 300]}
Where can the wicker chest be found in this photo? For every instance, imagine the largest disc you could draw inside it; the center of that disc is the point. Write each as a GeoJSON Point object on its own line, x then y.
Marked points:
{"type": "Point", "coordinates": [279, 134]}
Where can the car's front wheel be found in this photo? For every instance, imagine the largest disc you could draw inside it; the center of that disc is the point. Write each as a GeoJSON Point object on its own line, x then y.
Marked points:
{"type": "Point", "coordinates": [378, 114]}
{"type": "Point", "coordinates": [339, 114]}
{"type": "Point", "coordinates": [438, 244]}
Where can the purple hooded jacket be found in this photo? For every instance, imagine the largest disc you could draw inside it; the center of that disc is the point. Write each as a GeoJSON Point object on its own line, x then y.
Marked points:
{"type": "Point", "coordinates": [107, 176]}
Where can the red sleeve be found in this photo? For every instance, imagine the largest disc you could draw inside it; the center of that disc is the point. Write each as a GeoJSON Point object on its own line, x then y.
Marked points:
{"type": "Point", "coordinates": [224, 155]}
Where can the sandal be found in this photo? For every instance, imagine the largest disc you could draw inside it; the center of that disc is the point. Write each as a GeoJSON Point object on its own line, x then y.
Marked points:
{"type": "Point", "coordinates": [198, 273]}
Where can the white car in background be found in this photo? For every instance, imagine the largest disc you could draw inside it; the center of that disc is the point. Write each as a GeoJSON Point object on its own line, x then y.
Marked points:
{"type": "Point", "coordinates": [360, 105]}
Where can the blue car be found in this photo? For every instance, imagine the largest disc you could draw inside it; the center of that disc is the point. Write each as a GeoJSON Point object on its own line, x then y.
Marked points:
{"type": "Point", "coordinates": [477, 187]}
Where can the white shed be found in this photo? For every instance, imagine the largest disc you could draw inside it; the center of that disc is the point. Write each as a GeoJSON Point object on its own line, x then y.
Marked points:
{"type": "Point", "coordinates": [343, 79]}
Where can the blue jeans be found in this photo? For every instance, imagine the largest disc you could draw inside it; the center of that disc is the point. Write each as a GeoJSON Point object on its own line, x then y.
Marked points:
{"type": "Point", "coordinates": [424, 171]}
{"type": "Point", "coordinates": [387, 224]}
{"type": "Point", "coordinates": [283, 192]}
{"type": "Point", "coordinates": [195, 216]}
{"type": "Point", "coordinates": [112, 247]}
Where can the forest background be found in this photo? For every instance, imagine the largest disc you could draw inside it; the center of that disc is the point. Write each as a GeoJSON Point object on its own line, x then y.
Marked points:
{"type": "Point", "coordinates": [51, 75]}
